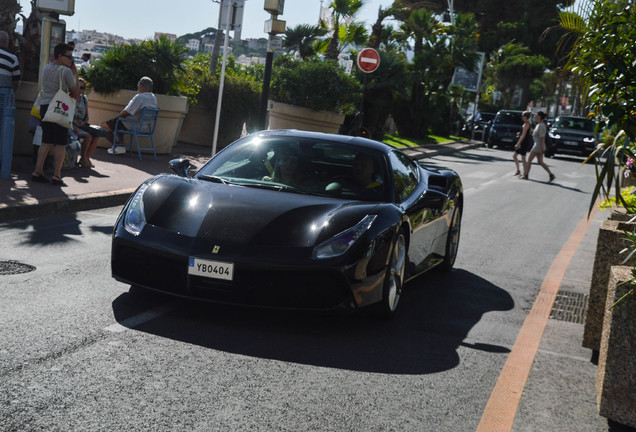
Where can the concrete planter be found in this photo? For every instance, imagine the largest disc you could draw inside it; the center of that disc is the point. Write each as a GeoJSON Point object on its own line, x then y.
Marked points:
{"type": "Point", "coordinates": [24, 98]}
{"type": "Point", "coordinates": [611, 240]}
{"type": "Point", "coordinates": [198, 127]}
{"type": "Point", "coordinates": [620, 214]}
{"type": "Point", "coordinates": [173, 111]}
{"type": "Point", "coordinates": [285, 116]}
{"type": "Point", "coordinates": [616, 376]}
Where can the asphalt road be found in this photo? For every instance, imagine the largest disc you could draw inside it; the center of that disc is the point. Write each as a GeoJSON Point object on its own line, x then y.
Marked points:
{"type": "Point", "coordinates": [81, 351]}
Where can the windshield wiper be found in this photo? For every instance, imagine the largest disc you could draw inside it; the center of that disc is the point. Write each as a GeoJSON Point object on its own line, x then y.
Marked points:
{"type": "Point", "coordinates": [276, 187]}
{"type": "Point", "coordinates": [214, 179]}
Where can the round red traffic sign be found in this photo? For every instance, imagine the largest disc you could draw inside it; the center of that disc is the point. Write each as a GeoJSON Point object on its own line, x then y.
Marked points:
{"type": "Point", "coordinates": [368, 60]}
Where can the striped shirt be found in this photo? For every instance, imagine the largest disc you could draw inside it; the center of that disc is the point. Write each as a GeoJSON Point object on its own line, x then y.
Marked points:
{"type": "Point", "coordinates": [9, 69]}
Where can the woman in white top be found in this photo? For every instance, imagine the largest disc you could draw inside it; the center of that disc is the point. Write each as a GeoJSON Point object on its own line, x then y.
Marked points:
{"type": "Point", "coordinates": [538, 149]}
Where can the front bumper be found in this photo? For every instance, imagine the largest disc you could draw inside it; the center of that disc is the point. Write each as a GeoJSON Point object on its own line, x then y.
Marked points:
{"type": "Point", "coordinates": [260, 284]}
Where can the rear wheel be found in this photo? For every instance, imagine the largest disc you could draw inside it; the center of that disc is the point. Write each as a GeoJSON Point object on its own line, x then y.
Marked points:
{"type": "Point", "coordinates": [394, 278]}
{"type": "Point", "coordinates": [452, 240]}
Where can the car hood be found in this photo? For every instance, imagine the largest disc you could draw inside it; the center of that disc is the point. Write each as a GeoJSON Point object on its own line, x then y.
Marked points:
{"type": "Point", "coordinates": [573, 132]}
{"type": "Point", "coordinates": [241, 216]}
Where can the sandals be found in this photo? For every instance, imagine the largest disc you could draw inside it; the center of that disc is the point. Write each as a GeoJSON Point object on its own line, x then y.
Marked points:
{"type": "Point", "coordinates": [85, 163]}
{"type": "Point", "coordinates": [39, 178]}
{"type": "Point", "coordinates": [517, 173]}
{"type": "Point", "coordinates": [58, 182]}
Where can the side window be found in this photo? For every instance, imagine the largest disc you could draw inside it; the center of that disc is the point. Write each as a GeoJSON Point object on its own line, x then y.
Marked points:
{"type": "Point", "coordinates": [405, 175]}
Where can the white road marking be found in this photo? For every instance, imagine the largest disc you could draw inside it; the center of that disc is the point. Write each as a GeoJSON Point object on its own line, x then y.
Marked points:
{"type": "Point", "coordinates": [136, 320]}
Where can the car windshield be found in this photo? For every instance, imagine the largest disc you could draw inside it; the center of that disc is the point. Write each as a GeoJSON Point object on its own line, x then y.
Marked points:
{"type": "Point", "coordinates": [300, 165]}
{"type": "Point", "coordinates": [575, 123]}
{"type": "Point", "coordinates": [509, 118]}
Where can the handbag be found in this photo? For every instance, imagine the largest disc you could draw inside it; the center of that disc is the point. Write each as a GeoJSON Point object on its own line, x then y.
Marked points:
{"type": "Point", "coordinates": [61, 108]}
{"type": "Point", "coordinates": [35, 109]}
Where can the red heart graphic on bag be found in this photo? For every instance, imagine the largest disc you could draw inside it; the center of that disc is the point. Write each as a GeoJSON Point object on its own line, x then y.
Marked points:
{"type": "Point", "coordinates": [65, 107]}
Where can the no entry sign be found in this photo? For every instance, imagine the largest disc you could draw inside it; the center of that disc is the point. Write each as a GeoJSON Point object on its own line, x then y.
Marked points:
{"type": "Point", "coordinates": [368, 60]}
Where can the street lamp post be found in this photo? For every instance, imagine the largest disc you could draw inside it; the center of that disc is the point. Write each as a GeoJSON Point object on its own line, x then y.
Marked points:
{"type": "Point", "coordinates": [273, 26]}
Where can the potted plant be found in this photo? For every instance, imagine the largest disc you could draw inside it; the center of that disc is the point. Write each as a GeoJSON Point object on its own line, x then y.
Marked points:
{"type": "Point", "coordinates": [241, 101]}
{"type": "Point", "coordinates": [311, 94]}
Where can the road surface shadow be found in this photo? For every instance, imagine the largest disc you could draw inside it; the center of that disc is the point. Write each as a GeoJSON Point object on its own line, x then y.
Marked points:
{"type": "Point", "coordinates": [436, 313]}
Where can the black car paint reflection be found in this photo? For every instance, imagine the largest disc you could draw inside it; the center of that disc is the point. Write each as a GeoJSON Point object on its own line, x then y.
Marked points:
{"type": "Point", "coordinates": [316, 242]}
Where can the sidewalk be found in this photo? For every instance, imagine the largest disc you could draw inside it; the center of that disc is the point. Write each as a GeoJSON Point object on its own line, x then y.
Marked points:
{"type": "Point", "coordinates": [115, 178]}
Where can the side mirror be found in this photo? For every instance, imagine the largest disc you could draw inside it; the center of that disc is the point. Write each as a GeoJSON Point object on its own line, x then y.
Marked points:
{"type": "Point", "coordinates": [181, 167]}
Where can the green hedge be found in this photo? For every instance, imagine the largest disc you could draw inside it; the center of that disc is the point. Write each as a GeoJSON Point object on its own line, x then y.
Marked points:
{"type": "Point", "coordinates": [121, 67]}
{"type": "Point", "coordinates": [321, 85]}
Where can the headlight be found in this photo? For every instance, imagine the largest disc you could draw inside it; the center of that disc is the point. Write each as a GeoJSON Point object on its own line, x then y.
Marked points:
{"type": "Point", "coordinates": [339, 244]}
{"type": "Point", "coordinates": [554, 135]}
{"type": "Point", "coordinates": [135, 219]}
{"type": "Point", "coordinates": [589, 139]}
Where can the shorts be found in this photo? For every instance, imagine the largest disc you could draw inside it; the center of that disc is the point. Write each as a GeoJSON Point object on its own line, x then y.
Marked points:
{"type": "Point", "coordinates": [52, 133]}
{"type": "Point", "coordinates": [111, 124]}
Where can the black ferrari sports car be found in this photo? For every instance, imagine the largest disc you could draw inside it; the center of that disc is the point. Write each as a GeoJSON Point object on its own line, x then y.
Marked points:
{"type": "Point", "coordinates": [291, 219]}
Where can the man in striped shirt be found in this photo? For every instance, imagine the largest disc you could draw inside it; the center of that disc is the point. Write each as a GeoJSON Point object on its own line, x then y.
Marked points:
{"type": "Point", "coordinates": [9, 67]}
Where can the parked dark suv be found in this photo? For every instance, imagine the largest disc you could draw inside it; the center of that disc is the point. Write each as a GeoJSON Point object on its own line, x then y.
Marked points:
{"type": "Point", "coordinates": [571, 135]}
{"type": "Point", "coordinates": [505, 127]}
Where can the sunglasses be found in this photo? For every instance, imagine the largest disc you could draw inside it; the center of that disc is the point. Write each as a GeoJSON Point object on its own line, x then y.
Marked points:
{"type": "Point", "coordinates": [82, 87]}
{"type": "Point", "coordinates": [67, 56]}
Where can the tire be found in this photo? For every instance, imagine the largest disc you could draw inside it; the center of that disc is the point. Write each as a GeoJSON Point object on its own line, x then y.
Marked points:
{"type": "Point", "coordinates": [393, 278]}
{"type": "Point", "coordinates": [452, 241]}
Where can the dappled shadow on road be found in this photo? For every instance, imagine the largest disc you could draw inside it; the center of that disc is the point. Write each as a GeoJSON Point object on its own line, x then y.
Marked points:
{"type": "Point", "coordinates": [54, 229]}
{"type": "Point", "coordinates": [437, 312]}
{"type": "Point", "coordinates": [556, 183]}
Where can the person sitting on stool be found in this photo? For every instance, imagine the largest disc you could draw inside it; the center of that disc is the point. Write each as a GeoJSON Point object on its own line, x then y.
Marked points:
{"type": "Point", "coordinates": [145, 98]}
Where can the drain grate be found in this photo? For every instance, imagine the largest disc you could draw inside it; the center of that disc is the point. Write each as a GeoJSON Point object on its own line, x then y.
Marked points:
{"type": "Point", "coordinates": [14, 267]}
{"type": "Point", "coordinates": [569, 307]}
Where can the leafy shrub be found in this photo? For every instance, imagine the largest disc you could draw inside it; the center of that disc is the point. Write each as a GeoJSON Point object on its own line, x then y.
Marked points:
{"type": "Point", "coordinates": [121, 67]}
{"type": "Point", "coordinates": [241, 94]}
{"type": "Point", "coordinates": [315, 84]}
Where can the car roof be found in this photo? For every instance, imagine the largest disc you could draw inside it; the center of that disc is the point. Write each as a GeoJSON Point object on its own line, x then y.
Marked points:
{"type": "Point", "coordinates": [345, 139]}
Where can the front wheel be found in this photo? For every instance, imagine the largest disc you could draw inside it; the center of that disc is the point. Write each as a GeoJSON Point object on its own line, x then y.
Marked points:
{"type": "Point", "coordinates": [452, 240]}
{"type": "Point", "coordinates": [394, 278]}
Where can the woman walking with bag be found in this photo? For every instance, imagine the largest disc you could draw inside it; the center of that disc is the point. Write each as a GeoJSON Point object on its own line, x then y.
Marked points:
{"type": "Point", "coordinates": [55, 76]}
{"type": "Point", "coordinates": [538, 149]}
{"type": "Point", "coordinates": [524, 144]}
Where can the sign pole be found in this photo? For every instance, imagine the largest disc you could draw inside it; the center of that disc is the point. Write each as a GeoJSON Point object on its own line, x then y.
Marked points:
{"type": "Point", "coordinates": [222, 81]}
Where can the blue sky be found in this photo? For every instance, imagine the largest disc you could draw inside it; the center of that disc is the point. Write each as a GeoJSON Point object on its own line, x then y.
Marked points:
{"type": "Point", "coordinates": [142, 18]}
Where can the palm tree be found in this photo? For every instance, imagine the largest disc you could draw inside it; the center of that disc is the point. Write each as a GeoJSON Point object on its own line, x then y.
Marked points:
{"type": "Point", "coordinates": [302, 38]}
{"type": "Point", "coordinates": [399, 9]}
{"type": "Point", "coordinates": [9, 9]}
{"type": "Point", "coordinates": [341, 11]}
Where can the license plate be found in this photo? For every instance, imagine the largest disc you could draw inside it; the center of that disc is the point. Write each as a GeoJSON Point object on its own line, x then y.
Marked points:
{"type": "Point", "coordinates": [571, 143]}
{"type": "Point", "coordinates": [211, 269]}
{"type": "Point", "coordinates": [507, 139]}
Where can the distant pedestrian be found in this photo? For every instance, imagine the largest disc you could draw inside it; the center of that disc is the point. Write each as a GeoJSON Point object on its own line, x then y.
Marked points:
{"type": "Point", "coordinates": [53, 135]}
{"type": "Point", "coordinates": [86, 57]}
{"type": "Point", "coordinates": [538, 149]}
{"type": "Point", "coordinates": [524, 143]}
{"type": "Point", "coordinates": [145, 98]}
{"type": "Point", "coordinates": [9, 66]}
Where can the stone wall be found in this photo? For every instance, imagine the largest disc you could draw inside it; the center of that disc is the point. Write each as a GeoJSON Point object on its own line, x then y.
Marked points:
{"type": "Point", "coordinates": [616, 376]}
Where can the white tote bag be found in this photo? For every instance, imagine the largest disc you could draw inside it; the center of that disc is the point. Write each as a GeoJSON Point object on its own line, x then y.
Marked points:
{"type": "Point", "coordinates": [61, 109]}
